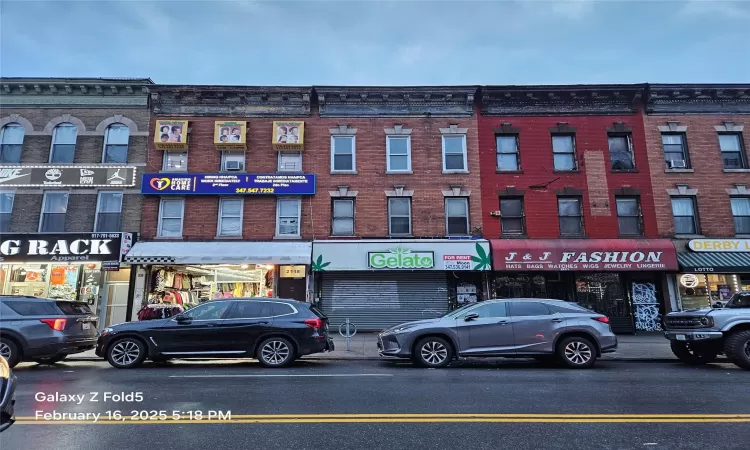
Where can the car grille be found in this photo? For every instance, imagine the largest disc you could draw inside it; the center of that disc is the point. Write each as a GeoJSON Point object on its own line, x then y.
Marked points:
{"type": "Point", "coordinates": [683, 322]}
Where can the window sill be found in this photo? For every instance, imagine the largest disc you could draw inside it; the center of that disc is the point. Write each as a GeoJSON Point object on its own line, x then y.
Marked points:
{"type": "Point", "coordinates": [736, 170]}
{"type": "Point", "coordinates": [180, 172]}
{"type": "Point", "coordinates": [573, 236]}
{"type": "Point", "coordinates": [566, 171]}
{"type": "Point", "coordinates": [343, 236]}
{"type": "Point", "coordinates": [679, 170]}
{"type": "Point", "coordinates": [400, 236]}
{"type": "Point", "coordinates": [513, 236]}
{"type": "Point", "coordinates": [286, 237]}
{"type": "Point", "coordinates": [455, 171]}
{"type": "Point", "coordinates": [631, 236]}
{"type": "Point", "coordinates": [228, 237]}
{"type": "Point", "coordinates": [508, 171]}
{"type": "Point", "coordinates": [624, 171]}
{"type": "Point", "coordinates": [290, 171]}
{"type": "Point", "coordinates": [399, 172]}
{"type": "Point", "coordinates": [689, 236]}
{"type": "Point", "coordinates": [171, 238]}
{"type": "Point", "coordinates": [232, 171]}
{"type": "Point", "coordinates": [344, 172]}
{"type": "Point", "coordinates": [742, 236]}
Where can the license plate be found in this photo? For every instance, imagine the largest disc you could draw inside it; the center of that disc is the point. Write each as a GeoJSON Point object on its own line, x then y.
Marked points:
{"type": "Point", "coordinates": [86, 325]}
{"type": "Point", "coordinates": [680, 337]}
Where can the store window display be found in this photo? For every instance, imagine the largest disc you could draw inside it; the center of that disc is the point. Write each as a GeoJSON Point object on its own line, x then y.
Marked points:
{"type": "Point", "coordinates": [63, 281]}
{"type": "Point", "coordinates": [706, 290]}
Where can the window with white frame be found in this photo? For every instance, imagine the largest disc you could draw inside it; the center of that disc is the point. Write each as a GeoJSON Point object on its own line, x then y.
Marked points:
{"type": "Point", "coordinates": [230, 217]}
{"type": "Point", "coordinates": [454, 153]}
{"type": "Point", "coordinates": [290, 161]}
{"type": "Point", "coordinates": [64, 138]}
{"type": "Point", "coordinates": [174, 161]}
{"type": "Point", "coordinates": [741, 214]}
{"type": "Point", "coordinates": [11, 143]}
{"type": "Point", "coordinates": [342, 220]}
{"type": "Point", "coordinates": [507, 152]}
{"type": "Point", "coordinates": [564, 152]}
{"type": "Point", "coordinates": [171, 217]}
{"type": "Point", "coordinates": [116, 144]}
{"type": "Point", "coordinates": [732, 154]}
{"type": "Point", "coordinates": [288, 211]}
{"type": "Point", "coordinates": [54, 208]}
{"type": "Point", "coordinates": [456, 216]}
{"type": "Point", "coordinates": [398, 149]}
{"type": "Point", "coordinates": [6, 210]}
{"type": "Point", "coordinates": [621, 151]}
{"type": "Point", "coordinates": [685, 218]}
{"type": "Point", "coordinates": [343, 154]}
{"type": "Point", "coordinates": [108, 212]}
{"type": "Point", "coordinates": [675, 151]}
{"type": "Point", "coordinates": [233, 161]}
{"type": "Point", "coordinates": [399, 216]}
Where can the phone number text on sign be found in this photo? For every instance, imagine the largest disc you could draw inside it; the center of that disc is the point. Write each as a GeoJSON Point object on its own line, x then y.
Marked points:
{"type": "Point", "coordinates": [457, 262]}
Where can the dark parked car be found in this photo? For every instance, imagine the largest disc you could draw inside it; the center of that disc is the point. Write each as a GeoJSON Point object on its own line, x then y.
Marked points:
{"type": "Point", "coordinates": [7, 389]}
{"type": "Point", "coordinates": [509, 328]}
{"type": "Point", "coordinates": [44, 330]}
{"type": "Point", "coordinates": [275, 331]}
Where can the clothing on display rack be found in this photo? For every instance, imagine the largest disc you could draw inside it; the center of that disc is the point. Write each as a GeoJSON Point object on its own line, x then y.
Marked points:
{"type": "Point", "coordinates": [159, 311]}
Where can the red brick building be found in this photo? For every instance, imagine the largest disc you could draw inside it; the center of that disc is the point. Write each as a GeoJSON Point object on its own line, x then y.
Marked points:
{"type": "Point", "coordinates": [697, 142]}
{"type": "Point", "coordinates": [566, 187]}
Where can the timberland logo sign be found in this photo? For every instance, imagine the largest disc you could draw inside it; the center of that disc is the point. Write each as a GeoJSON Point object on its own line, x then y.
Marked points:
{"type": "Point", "coordinates": [61, 247]}
{"type": "Point", "coordinates": [401, 258]}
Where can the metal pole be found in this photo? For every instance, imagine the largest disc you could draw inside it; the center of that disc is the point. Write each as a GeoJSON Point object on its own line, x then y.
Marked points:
{"type": "Point", "coordinates": [347, 335]}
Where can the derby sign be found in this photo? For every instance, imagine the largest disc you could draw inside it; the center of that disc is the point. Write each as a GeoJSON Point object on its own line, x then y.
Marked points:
{"type": "Point", "coordinates": [400, 258]}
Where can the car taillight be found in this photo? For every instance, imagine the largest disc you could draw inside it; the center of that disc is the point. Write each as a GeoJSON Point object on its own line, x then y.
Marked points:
{"type": "Point", "coordinates": [601, 319]}
{"type": "Point", "coordinates": [314, 323]}
{"type": "Point", "coordinates": [55, 324]}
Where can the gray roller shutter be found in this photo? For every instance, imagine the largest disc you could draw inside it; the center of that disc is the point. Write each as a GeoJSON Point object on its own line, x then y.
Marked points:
{"type": "Point", "coordinates": [374, 301]}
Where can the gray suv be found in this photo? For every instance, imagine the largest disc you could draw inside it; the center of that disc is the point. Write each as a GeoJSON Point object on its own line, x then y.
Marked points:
{"type": "Point", "coordinates": [510, 328]}
{"type": "Point", "coordinates": [44, 330]}
{"type": "Point", "coordinates": [698, 336]}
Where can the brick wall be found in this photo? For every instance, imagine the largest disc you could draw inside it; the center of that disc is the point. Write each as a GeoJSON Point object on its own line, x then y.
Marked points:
{"type": "Point", "coordinates": [708, 178]}
{"type": "Point", "coordinates": [595, 177]}
{"type": "Point", "coordinates": [370, 182]}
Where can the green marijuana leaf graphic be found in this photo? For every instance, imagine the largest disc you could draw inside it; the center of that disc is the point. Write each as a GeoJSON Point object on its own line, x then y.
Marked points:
{"type": "Point", "coordinates": [318, 265]}
{"type": "Point", "coordinates": [483, 259]}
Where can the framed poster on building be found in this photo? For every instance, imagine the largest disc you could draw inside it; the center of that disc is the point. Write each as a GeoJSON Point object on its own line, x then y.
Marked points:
{"type": "Point", "coordinates": [171, 134]}
{"type": "Point", "coordinates": [289, 135]}
{"type": "Point", "coordinates": [230, 135]}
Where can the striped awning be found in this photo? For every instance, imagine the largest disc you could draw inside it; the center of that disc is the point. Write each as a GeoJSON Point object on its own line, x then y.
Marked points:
{"type": "Point", "coordinates": [714, 262]}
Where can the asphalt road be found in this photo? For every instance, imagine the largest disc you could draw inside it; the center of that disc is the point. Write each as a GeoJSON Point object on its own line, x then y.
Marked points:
{"type": "Point", "coordinates": [383, 405]}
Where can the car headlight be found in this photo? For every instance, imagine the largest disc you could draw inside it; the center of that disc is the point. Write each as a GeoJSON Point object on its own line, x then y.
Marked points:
{"type": "Point", "coordinates": [707, 321]}
{"type": "Point", "coordinates": [107, 331]}
{"type": "Point", "coordinates": [402, 329]}
{"type": "Point", "coordinates": [4, 368]}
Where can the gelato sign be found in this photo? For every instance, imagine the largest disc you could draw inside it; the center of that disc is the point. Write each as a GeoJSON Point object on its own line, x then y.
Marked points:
{"type": "Point", "coordinates": [401, 258]}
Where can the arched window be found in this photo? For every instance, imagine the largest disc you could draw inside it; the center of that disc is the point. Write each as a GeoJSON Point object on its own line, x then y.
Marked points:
{"type": "Point", "coordinates": [11, 143]}
{"type": "Point", "coordinates": [63, 144]}
{"type": "Point", "coordinates": [116, 144]}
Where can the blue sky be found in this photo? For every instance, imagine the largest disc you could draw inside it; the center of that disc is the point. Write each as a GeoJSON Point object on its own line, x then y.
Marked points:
{"type": "Point", "coordinates": [365, 42]}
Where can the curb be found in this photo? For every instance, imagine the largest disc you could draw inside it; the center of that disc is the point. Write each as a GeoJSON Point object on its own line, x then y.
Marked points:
{"type": "Point", "coordinates": [370, 358]}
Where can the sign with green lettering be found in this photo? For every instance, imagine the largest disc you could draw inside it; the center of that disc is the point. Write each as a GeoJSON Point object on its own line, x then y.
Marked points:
{"type": "Point", "coordinates": [401, 258]}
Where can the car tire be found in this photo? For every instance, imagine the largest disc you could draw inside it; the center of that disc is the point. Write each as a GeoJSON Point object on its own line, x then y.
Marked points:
{"type": "Point", "coordinates": [10, 351]}
{"type": "Point", "coordinates": [576, 352]}
{"type": "Point", "coordinates": [693, 355]}
{"type": "Point", "coordinates": [433, 352]}
{"type": "Point", "coordinates": [126, 353]}
{"type": "Point", "coordinates": [50, 360]}
{"type": "Point", "coordinates": [737, 349]}
{"type": "Point", "coordinates": [275, 352]}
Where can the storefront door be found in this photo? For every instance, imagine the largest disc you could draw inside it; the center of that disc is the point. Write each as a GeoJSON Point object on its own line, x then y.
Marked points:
{"type": "Point", "coordinates": [294, 288]}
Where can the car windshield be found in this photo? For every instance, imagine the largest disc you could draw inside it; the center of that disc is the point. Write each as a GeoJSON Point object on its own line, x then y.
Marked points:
{"type": "Point", "coordinates": [739, 300]}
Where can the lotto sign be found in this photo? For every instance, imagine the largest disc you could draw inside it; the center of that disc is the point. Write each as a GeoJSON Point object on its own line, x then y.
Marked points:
{"type": "Point", "coordinates": [457, 262]}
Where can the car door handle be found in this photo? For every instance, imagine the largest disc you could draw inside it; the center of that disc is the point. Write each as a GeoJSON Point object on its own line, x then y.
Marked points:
{"type": "Point", "coordinates": [503, 322]}
{"type": "Point", "coordinates": [557, 320]}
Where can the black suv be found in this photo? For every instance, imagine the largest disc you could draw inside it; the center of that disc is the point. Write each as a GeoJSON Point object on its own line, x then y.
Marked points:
{"type": "Point", "coordinates": [275, 331]}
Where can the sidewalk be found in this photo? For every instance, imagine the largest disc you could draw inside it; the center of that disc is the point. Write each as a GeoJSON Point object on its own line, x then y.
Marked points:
{"type": "Point", "coordinates": [641, 347]}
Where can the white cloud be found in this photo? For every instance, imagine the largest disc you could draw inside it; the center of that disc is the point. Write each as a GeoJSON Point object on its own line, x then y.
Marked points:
{"type": "Point", "coordinates": [717, 9]}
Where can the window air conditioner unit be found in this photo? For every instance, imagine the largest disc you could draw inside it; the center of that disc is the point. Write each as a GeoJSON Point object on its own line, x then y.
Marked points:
{"type": "Point", "coordinates": [233, 165]}
{"type": "Point", "coordinates": [677, 164]}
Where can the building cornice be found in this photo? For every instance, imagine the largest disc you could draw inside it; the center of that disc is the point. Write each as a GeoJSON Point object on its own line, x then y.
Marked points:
{"type": "Point", "coordinates": [231, 101]}
{"type": "Point", "coordinates": [724, 99]}
{"type": "Point", "coordinates": [569, 100]}
{"type": "Point", "coordinates": [74, 92]}
{"type": "Point", "coordinates": [379, 101]}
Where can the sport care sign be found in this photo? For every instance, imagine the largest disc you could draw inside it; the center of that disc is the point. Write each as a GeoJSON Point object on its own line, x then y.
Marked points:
{"type": "Point", "coordinates": [44, 247]}
{"type": "Point", "coordinates": [227, 184]}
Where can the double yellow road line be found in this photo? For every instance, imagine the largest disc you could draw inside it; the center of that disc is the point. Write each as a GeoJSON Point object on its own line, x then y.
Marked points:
{"type": "Point", "coordinates": [422, 418]}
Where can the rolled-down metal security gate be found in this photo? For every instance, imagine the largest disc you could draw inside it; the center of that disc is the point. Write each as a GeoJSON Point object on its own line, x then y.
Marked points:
{"type": "Point", "coordinates": [374, 301]}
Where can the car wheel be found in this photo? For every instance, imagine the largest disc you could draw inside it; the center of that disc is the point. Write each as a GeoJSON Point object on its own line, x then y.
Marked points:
{"type": "Point", "coordinates": [576, 352]}
{"type": "Point", "coordinates": [10, 351]}
{"type": "Point", "coordinates": [692, 354]}
{"type": "Point", "coordinates": [51, 359]}
{"type": "Point", "coordinates": [275, 352]}
{"type": "Point", "coordinates": [433, 352]}
{"type": "Point", "coordinates": [737, 349]}
{"type": "Point", "coordinates": [126, 353]}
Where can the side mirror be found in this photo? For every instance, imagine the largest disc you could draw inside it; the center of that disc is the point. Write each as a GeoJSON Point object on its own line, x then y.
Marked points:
{"type": "Point", "coordinates": [470, 317]}
{"type": "Point", "coordinates": [183, 319]}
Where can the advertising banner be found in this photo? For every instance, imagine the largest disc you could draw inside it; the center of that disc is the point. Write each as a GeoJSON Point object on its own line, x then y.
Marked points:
{"type": "Point", "coordinates": [719, 245]}
{"type": "Point", "coordinates": [45, 247]}
{"type": "Point", "coordinates": [171, 135]}
{"type": "Point", "coordinates": [67, 176]}
{"type": "Point", "coordinates": [230, 135]}
{"type": "Point", "coordinates": [288, 135]}
{"type": "Point", "coordinates": [227, 184]}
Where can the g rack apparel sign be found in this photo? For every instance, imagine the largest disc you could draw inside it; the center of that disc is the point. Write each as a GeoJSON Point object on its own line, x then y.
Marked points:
{"type": "Point", "coordinates": [230, 135]}
{"type": "Point", "coordinates": [289, 135]}
{"type": "Point", "coordinates": [227, 184]}
{"type": "Point", "coordinates": [171, 135]}
{"type": "Point", "coordinates": [104, 247]}
{"type": "Point", "coordinates": [719, 245]}
{"type": "Point", "coordinates": [67, 176]}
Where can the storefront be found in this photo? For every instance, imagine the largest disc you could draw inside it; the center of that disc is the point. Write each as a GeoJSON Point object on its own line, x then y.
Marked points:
{"type": "Point", "coordinates": [73, 266]}
{"type": "Point", "coordinates": [180, 275]}
{"type": "Point", "coordinates": [623, 279]}
{"type": "Point", "coordinates": [711, 271]}
{"type": "Point", "coordinates": [380, 283]}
